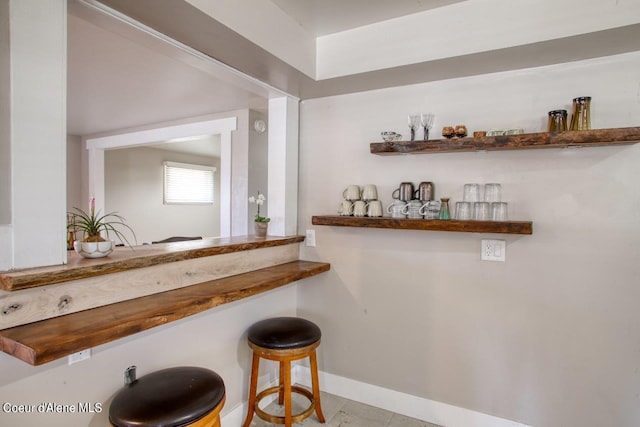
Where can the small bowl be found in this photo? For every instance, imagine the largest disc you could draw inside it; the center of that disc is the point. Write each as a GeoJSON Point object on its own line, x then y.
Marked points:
{"type": "Point", "coordinates": [390, 136]}
{"type": "Point", "coordinates": [494, 132]}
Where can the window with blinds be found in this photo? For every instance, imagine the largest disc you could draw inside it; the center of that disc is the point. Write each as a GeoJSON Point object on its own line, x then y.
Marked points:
{"type": "Point", "coordinates": [188, 184]}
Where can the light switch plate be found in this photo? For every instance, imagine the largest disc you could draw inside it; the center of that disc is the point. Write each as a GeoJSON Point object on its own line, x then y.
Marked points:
{"type": "Point", "coordinates": [493, 250]}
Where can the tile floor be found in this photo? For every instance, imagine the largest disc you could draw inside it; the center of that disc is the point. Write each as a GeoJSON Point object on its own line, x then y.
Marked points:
{"type": "Point", "coordinates": [341, 412]}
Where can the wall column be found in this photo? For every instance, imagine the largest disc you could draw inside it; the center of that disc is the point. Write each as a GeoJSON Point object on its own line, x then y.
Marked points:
{"type": "Point", "coordinates": [34, 223]}
{"type": "Point", "coordinates": [283, 166]}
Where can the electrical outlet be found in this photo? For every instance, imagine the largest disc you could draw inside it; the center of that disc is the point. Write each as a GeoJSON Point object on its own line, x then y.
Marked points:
{"type": "Point", "coordinates": [310, 239]}
{"type": "Point", "coordinates": [493, 250]}
{"type": "Point", "coordinates": [79, 356]}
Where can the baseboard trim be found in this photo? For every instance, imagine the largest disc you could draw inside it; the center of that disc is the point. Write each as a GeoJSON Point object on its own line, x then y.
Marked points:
{"type": "Point", "coordinates": [411, 406]}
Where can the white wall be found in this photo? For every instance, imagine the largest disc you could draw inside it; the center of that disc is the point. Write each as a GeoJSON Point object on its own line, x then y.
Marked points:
{"type": "Point", "coordinates": [427, 36]}
{"type": "Point", "coordinates": [134, 188]}
{"type": "Point", "coordinates": [258, 170]}
{"type": "Point", "coordinates": [74, 173]}
{"type": "Point", "coordinates": [5, 116]}
{"type": "Point", "coordinates": [37, 141]}
{"type": "Point", "coordinates": [214, 339]}
{"type": "Point", "coordinates": [549, 338]}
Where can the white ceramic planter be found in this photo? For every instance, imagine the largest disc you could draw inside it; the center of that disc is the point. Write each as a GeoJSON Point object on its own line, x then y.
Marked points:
{"type": "Point", "coordinates": [94, 249]}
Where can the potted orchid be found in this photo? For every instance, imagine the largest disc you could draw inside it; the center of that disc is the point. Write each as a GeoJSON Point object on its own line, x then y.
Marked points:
{"type": "Point", "coordinates": [92, 224]}
{"type": "Point", "coordinates": [260, 222]}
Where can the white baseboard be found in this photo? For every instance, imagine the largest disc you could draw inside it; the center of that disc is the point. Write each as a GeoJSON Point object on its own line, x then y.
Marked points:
{"type": "Point", "coordinates": [411, 406]}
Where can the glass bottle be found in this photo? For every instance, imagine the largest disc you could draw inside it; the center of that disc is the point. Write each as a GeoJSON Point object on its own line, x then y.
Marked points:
{"type": "Point", "coordinates": [581, 117]}
{"type": "Point", "coordinates": [557, 121]}
{"type": "Point", "coordinates": [444, 213]}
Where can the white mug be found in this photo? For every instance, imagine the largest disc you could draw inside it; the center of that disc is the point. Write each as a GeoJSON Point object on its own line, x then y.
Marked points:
{"type": "Point", "coordinates": [360, 208]}
{"type": "Point", "coordinates": [375, 209]}
{"type": "Point", "coordinates": [369, 192]}
{"type": "Point", "coordinates": [395, 209]}
{"type": "Point", "coordinates": [412, 209]}
{"type": "Point", "coordinates": [346, 208]}
{"type": "Point", "coordinates": [352, 193]}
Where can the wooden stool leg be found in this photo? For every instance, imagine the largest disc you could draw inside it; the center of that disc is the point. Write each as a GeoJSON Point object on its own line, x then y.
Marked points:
{"type": "Point", "coordinates": [286, 367]}
{"type": "Point", "coordinates": [281, 392]}
{"type": "Point", "coordinates": [252, 390]}
{"type": "Point", "coordinates": [313, 362]}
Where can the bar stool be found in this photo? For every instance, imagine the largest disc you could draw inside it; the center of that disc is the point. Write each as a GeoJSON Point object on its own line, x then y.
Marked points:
{"type": "Point", "coordinates": [183, 396]}
{"type": "Point", "coordinates": [284, 339]}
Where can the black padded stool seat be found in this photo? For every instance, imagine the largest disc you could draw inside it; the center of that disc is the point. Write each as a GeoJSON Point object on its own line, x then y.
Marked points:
{"type": "Point", "coordinates": [284, 340]}
{"type": "Point", "coordinates": [284, 333]}
{"type": "Point", "coordinates": [168, 398]}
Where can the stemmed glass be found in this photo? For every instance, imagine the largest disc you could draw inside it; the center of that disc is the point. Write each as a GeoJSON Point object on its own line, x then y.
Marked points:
{"type": "Point", "coordinates": [427, 122]}
{"type": "Point", "coordinates": [414, 123]}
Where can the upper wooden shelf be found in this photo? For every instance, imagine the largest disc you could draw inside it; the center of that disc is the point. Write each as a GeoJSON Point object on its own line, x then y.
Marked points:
{"type": "Point", "coordinates": [585, 138]}
{"type": "Point", "coordinates": [123, 259]}
{"type": "Point", "coordinates": [503, 227]}
{"type": "Point", "coordinates": [47, 340]}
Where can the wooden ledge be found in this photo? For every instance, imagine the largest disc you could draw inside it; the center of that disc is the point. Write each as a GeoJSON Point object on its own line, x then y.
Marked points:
{"type": "Point", "coordinates": [47, 340]}
{"type": "Point", "coordinates": [582, 138]}
{"type": "Point", "coordinates": [502, 227]}
{"type": "Point", "coordinates": [123, 259]}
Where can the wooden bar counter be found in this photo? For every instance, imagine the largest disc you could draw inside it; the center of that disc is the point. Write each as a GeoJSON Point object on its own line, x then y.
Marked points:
{"type": "Point", "coordinates": [91, 302]}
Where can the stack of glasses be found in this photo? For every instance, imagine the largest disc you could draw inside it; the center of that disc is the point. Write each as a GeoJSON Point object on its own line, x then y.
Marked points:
{"type": "Point", "coordinates": [482, 207]}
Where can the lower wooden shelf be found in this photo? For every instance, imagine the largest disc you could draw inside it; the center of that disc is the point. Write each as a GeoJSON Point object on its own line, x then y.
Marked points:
{"type": "Point", "coordinates": [51, 339]}
{"type": "Point", "coordinates": [504, 227]}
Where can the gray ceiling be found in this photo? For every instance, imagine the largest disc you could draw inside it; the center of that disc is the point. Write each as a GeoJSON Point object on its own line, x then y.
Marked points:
{"type": "Point", "coordinates": [322, 17]}
{"type": "Point", "coordinates": [121, 77]}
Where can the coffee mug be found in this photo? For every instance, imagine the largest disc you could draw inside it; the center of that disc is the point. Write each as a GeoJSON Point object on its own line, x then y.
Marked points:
{"type": "Point", "coordinates": [346, 208]}
{"type": "Point", "coordinates": [395, 209]}
{"type": "Point", "coordinates": [412, 209]}
{"type": "Point", "coordinates": [369, 192]}
{"type": "Point", "coordinates": [431, 209]}
{"type": "Point", "coordinates": [375, 208]}
{"type": "Point", "coordinates": [404, 192]}
{"type": "Point", "coordinates": [360, 208]}
{"type": "Point", "coordinates": [352, 193]}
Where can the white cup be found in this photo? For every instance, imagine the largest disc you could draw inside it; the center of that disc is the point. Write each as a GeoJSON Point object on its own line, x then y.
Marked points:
{"type": "Point", "coordinates": [375, 209]}
{"type": "Point", "coordinates": [431, 209]}
{"type": "Point", "coordinates": [360, 208]}
{"type": "Point", "coordinates": [395, 209]}
{"type": "Point", "coordinates": [346, 208]}
{"type": "Point", "coordinates": [352, 193]}
{"type": "Point", "coordinates": [369, 192]}
{"type": "Point", "coordinates": [412, 209]}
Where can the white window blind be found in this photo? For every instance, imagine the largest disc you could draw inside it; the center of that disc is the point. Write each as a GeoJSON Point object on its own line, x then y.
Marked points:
{"type": "Point", "coordinates": [188, 184]}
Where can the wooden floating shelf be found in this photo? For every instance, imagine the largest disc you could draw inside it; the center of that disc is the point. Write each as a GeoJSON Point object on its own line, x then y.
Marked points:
{"type": "Point", "coordinates": [123, 259]}
{"type": "Point", "coordinates": [503, 227]}
{"type": "Point", "coordinates": [51, 339]}
{"type": "Point", "coordinates": [585, 138]}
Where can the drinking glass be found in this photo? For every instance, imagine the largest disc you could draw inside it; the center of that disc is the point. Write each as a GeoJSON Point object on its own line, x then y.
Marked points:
{"type": "Point", "coordinates": [414, 123]}
{"type": "Point", "coordinates": [492, 192]}
{"type": "Point", "coordinates": [463, 210]}
{"type": "Point", "coordinates": [482, 211]}
{"type": "Point", "coordinates": [471, 193]}
{"type": "Point", "coordinates": [499, 211]}
{"type": "Point", "coordinates": [427, 122]}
